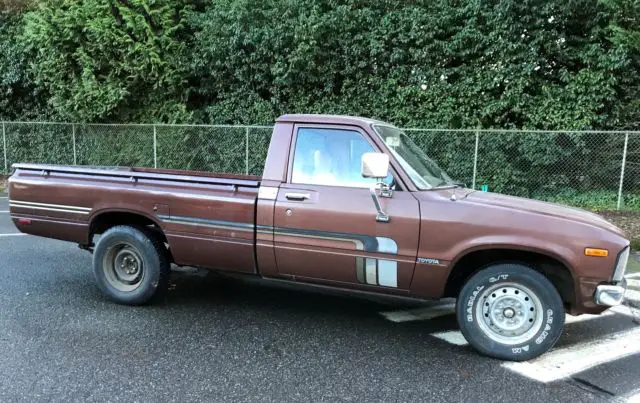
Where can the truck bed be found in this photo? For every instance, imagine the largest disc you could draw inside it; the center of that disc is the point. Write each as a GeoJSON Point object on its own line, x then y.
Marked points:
{"type": "Point", "coordinates": [205, 217]}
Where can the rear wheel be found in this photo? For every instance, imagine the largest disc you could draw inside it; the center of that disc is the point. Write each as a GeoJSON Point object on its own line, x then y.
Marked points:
{"type": "Point", "coordinates": [510, 311]}
{"type": "Point", "coordinates": [131, 265]}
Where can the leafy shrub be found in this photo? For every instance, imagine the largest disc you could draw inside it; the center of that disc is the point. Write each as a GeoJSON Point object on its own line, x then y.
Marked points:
{"type": "Point", "coordinates": [513, 64]}
{"type": "Point", "coordinates": [109, 60]}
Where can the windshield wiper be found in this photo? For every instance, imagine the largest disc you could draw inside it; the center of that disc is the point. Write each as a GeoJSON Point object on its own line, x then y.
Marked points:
{"type": "Point", "coordinates": [445, 184]}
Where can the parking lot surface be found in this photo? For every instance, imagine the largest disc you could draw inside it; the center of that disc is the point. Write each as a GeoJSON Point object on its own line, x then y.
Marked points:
{"type": "Point", "coordinates": [214, 339]}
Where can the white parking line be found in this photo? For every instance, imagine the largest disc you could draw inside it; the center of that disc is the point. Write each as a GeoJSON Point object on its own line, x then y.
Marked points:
{"type": "Point", "coordinates": [583, 318]}
{"type": "Point", "coordinates": [556, 364]}
{"type": "Point", "coordinates": [14, 234]}
{"type": "Point", "coordinates": [564, 362]}
{"type": "Point", "coordinates": [432, 312]}
{"type": "Point", "coordinates": [425, 313]}
{"type": "Point", "coordinates": [626, 310]}
{"type": "Point", "coordinates": [632, 295]}
{"type": "Point", "coordinates": [634, 397]}
{"type": "Point", "coordinates": [4, 211]}
{"type": "Point", "coordinates": [453, 337]}
{"type": "Point", "coordinates": [456, 337]}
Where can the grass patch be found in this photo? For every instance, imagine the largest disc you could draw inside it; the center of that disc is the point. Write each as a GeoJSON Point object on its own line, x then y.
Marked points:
{"type": "Point", "coordinates": [633, 266]}
{"type": "Point", "coordinates": [593, 200]}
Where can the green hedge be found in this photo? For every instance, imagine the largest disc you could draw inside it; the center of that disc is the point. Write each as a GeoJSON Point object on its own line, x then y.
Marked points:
{"type": "Point", "coordinates": [491, 64]}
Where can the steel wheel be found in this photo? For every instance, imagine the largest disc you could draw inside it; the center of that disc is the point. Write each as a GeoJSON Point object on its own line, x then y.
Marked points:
{"type": "Point", "coordinates": [509, 313]}
{"type": "Point", "coordinates": [123, 267]}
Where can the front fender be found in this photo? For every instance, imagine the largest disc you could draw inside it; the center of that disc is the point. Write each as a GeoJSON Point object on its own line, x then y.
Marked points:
{"type": "Point", "coordinates": [431, 276]}
{"type": "Point", "coordinates": [567, 256]}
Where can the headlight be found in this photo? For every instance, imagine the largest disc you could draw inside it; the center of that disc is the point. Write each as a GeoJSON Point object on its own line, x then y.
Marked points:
{"type": "Point", "coordinates": [621, 264]}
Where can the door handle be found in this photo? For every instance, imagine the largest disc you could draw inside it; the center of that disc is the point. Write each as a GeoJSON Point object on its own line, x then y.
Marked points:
{"type": "Point", "coordinates": [297, 196]}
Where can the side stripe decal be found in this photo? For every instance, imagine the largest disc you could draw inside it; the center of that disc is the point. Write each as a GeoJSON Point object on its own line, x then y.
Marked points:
{"type": "Point", "coordinates": [387, 245]}
{"type": "Point", "coordinates": [365, 243]}
{"type": "Point", "coordinates": [49, 207]}
{"type": "Point", "coordinates": [361, 242]}
{"type": "Point", "coordinates": [380, 272]}
{"type": "Point", "coordinates": [207, 223]}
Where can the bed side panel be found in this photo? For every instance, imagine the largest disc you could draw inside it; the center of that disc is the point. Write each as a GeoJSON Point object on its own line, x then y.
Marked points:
{"type": "Point", "coordinates": [206, 225]}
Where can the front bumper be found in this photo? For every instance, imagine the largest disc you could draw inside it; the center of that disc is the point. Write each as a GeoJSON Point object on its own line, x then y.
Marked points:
{"type": "Point", "coordinates": [610, 295]}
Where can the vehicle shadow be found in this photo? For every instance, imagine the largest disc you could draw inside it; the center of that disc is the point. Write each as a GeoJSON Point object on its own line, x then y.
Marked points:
{"type": "Point", "coordinates": [209, 292]}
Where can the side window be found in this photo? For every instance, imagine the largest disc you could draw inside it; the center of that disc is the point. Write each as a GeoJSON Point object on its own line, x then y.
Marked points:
{"type": "Point", "coordinates": [330, 157]}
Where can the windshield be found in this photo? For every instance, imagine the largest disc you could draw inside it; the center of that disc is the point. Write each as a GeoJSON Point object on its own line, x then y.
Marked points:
{"type": "Point", "coordinates": [422, 170]}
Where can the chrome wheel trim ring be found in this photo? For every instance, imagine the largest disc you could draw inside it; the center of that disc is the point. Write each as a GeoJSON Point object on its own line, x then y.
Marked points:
{"type": "Point", "coordinates": [509, 313]}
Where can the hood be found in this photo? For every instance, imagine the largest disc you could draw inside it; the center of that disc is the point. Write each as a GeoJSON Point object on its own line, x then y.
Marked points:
{"type": "Point", "coordinates": [540, 207]}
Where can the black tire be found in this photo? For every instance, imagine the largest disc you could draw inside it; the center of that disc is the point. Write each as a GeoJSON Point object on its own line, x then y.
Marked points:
{"type": "Point", "coordinates": [142, 261]}
{"type": "Point", "coordinates": [486, 326]}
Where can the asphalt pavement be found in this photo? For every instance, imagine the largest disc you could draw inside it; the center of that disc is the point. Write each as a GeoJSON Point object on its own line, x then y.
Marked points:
{"type": "Point", "coordinates": [219, 340]}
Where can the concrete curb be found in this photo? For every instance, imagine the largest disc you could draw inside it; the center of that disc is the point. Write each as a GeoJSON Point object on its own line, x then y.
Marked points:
{"type": "Point", "coordinates": [633, 284]}
{"type": "Point", "coordinates": [632, 297]}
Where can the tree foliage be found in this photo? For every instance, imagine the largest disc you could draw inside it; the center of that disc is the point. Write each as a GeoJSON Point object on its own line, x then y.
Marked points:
{"type": "Point", "coordinates": [109, 60]}
{"type": "Point", "coordinates": [525, 64]}
{"type": "Point", "coordinates": [20, 98]}
{"type": "Point", "coordinates": [500, 63]}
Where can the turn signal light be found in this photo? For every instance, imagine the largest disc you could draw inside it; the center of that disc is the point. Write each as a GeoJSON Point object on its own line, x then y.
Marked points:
{"type": "Point", "coordinates": [596, 252]}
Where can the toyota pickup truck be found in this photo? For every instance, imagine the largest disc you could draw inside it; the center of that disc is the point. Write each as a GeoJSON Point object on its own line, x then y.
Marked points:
{"type": "Point", "coordinates": [344, 203]}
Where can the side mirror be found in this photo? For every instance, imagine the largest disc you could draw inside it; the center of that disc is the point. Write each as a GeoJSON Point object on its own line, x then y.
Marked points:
{"type": "Point", "coordinates": [375, 165]}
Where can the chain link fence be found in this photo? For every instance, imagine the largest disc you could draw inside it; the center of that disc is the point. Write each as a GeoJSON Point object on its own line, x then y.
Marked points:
{"type": "Point", "coordinates": [596, 170]}
{"type": "Point", "coordinates": [231, 149]}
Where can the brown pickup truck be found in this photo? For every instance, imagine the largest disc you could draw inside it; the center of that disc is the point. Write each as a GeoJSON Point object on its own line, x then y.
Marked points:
{"type": "Point", "coordinates": [344, 203]}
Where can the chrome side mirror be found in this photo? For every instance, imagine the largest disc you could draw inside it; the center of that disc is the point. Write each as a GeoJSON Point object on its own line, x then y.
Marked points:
{"type": "Point", "coordinates": [376, 165]}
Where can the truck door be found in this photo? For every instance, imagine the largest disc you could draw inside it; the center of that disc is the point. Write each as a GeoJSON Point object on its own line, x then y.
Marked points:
{"type": "Point", "coordinates": [325, 227]}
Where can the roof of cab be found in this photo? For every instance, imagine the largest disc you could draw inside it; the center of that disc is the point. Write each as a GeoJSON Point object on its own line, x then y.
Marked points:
{"type": "Point", "coordinates": [330, 119]}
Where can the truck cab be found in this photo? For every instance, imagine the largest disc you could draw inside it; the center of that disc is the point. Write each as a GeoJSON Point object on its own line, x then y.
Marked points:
{"type": "Point", "coordinates": [317, 219]}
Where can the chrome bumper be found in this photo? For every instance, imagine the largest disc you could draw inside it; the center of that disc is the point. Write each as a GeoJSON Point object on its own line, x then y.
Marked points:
{"type": "Point", "coordinates": [610, 295]}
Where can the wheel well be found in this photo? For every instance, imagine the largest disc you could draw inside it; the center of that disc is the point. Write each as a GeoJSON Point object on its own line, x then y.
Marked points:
{"type": "Point", "coordinates": [554, 270]}
{"type": "Point", "coordinates": [104, 221]}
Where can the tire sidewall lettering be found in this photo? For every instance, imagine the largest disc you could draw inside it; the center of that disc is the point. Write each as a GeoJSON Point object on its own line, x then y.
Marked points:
{"type": "Point", "coordinates": [499, 277]}
{"type": "Point", "coordinates": [548, 322]}
{"type": "Point", "coordinates": [471, 301]}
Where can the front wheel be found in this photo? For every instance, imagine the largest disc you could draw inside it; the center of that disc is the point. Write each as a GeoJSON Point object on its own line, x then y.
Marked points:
{"type": "Point", "coordinates": [511, 312]}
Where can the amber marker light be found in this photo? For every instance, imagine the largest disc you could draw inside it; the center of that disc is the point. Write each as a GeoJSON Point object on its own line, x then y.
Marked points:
{"type": "Point", "coordinates": [596, 252]}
